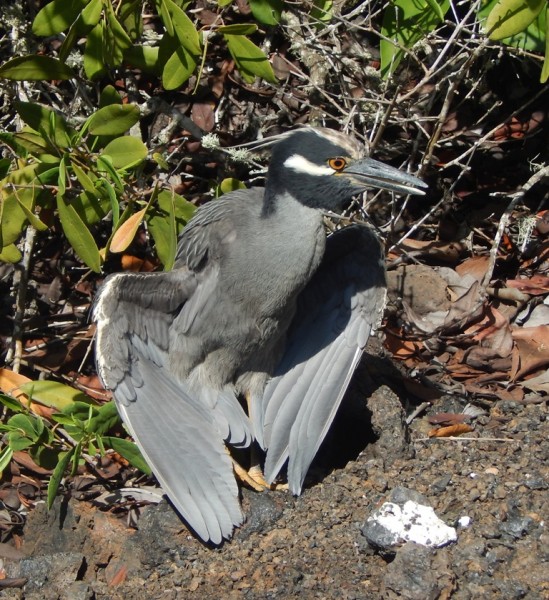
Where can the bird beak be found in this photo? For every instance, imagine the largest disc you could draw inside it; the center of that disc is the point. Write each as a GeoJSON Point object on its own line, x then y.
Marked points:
{"type": "Point", "coordinates": [371, 173]}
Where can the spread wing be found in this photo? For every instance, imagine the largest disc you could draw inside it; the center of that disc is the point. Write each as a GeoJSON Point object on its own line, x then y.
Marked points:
{"type": "Point", "coordinates": [336, 314]}
{"type": "Point", "coordinates": [179, 431]}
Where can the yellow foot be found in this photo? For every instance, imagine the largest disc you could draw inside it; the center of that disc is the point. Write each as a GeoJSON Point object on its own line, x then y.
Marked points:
{"type": "Point", "coordinates": [255, 479]}
{"type": "Point", "coordinates": [248, 478]}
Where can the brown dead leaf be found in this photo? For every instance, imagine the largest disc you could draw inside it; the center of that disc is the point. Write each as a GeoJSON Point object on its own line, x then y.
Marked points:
{"type": "Point", "coordinates": [450, 431]}
{"type": "Point", "coordinates": [202, 114]}
{"type": "Point", "coordinates": [11, 381]}
{"type": "Point", "coordinates": [476, 267]}
{"type": "Point", "coordinates": [497, 391]}
{"type": "Point", "coordinates": [443, 251]}
{"type": "Point", "coordinates": [126, 232]}
{"type": "Point", "coordinates": [533, 345]}
{"type": "Point", "coordinates": [493, 332]}
{"type": "Point", "coordinates": [401, 348]}
{"type": "Point", "coordinates": [539, 384]}
{"type": "Point", "coordinates": [535, 286]}
{"type": "Point", "coordinates": [542, 225]}
{"type": "Point", "coordinates": [448, 419]}
{"type": "Point", "coordinates": [24, 460]}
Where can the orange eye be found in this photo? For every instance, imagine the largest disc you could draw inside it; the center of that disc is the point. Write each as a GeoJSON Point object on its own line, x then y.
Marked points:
{"type": "Point", "coordinates": [337, 164]}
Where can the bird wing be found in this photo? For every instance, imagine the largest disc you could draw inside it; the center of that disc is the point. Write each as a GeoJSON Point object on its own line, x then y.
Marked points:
{"type": "Point", "coordinates": [335, 316]}
{"type": "Point", "coordinates": [179, 431]}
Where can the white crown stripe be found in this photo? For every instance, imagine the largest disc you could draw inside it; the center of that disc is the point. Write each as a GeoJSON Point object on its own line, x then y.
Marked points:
{"type": "Point", "coordinates": [300, 164]}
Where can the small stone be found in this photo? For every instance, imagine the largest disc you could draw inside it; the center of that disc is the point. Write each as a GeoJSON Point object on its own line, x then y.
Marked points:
{"type": "Point", "coordinates": [441, 484]}
{"type": "Point", "coordinates": [404, 519]}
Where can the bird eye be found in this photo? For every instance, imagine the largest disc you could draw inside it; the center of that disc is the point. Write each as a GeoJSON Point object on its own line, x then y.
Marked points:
{"type": "Point", "coordinates": [337, 164]}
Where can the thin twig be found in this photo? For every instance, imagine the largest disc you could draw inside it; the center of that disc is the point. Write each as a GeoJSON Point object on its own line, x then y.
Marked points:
{"type": "Point", "coordinates": [21, 281]}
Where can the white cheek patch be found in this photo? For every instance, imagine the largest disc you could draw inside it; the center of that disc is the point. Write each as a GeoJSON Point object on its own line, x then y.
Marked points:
{"type": "Point", "coordinates": [300, 164]}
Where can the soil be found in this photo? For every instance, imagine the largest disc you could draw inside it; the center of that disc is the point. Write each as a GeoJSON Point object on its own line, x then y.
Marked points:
{"type": "Point", "coordinates": [313, 546]}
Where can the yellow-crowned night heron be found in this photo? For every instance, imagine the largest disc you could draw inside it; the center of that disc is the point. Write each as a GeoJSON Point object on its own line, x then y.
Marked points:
{"type": "Point", "coordinates": [259, 304]}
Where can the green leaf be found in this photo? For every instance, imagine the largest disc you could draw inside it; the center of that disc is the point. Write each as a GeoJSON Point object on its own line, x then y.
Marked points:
{"type": "Point", "coordinates": [144, 58]}
{"type": "Point", "coordinates": [165, 221]}
{"type": "Point", "coordinates": [129, 451]}
{"type": "Point", "coordinates": [5, 458]}
{"type": "Point", "coordinates": [25, 424]}
{"type": "Point", "coordinates": [94, 66]}
{"type": "Point", "coordinates": [183, 28]}
{"type": "Point", "coordinates": [509, 17]}
{"type": "Point", "coordinates": [18, 441]}
{"type": "Point", "coordinates": [105, 164]}
{"type": "Point", "coordinates": [32, 143]}
{"type": "Point", "coordinates": [531, 39]}
{"type": "Point", "coordinates": [91, 14]}
{"type": "Point", "coordinates": [57, 16]}
{"type": "Point", "coordinates": [45, 457]}
{"type": "Point", "coordinates": [104, 419]}
{"type": "Point", "coordinates": [90, 208]}
{"type": "Point", "coordinates": [114, 119]}
{"type": "Point", "coordinates": [125, 152]}
{"type": "Point", "coordinates": [165, 16]}
{"type": "Point", "coordinates": [108, 96]}
{"type": "Point", "coordinates": [238, 29]}
{"type": "Point", "coordinates": [31, 217]}
{"type": "Point", "coordinates": [85, 22]}
{"type": "Point", "coordinates": [117, 41]}
{"type": "Point", "coordinates": [178, 68]}
{"type": "Point", "coordinates": [34, 67]}
{"type": "Point", "coordinates": [51, 125]}
{"type": "Point", "coordinates": [131, 18]}
{"type": "Point", "coordinates": [109, 193]}
{"type": "Point", "coordinates": [13, 215]}
{"type": "Point", "coordinates": [53, 393]}
{"type": "Point", "coordinates": [57, 475]}
{"type": "Point", "coordinates": [11, 403]}
{"type": "Point", "coordinates": [230, 184]}
{"type": "Point", "coordinates": [406, 22]}
{"type": "Point", "coordinates": [5, 164]}
{"type": "Point", "coordinates": [545, 69]}
{"type": "Point", "coordinates": [10, 254]}
{"type": "Point", "coordinates": [250, 60]}
{"type": "Point", "coordinates": [83, 179]}
{"type": "Point", "coordinates": [267, 11]}
{"type": "Point", "coordinates": [436, 8]}
{"type": "Point", "coordinates": [322, 11]}
{"type": "Point", "coordinates": [78, 234]}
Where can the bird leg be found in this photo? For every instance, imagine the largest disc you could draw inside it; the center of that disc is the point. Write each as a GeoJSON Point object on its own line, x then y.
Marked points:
{"type": "Point", "coordinates": [248, 478]}
{"type": "Point", "coordinates": [254, 475]}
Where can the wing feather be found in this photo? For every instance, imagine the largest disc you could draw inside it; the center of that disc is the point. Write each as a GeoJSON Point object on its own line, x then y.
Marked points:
{"type": "Point", "coordinates": [180, 432]}
{"type": "Point", "coordinates": [336, 313]}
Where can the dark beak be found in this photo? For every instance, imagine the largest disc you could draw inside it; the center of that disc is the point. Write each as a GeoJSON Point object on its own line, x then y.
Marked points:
{"type": "Point", "coordinates": [371, 173]}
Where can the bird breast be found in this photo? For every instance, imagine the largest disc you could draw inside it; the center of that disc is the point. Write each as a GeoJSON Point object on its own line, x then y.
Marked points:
{"type": "Point", "coordinates": [246, 297]}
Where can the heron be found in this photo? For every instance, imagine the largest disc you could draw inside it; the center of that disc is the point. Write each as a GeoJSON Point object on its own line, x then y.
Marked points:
{"type": "Point", "coordinates": [252, 338]}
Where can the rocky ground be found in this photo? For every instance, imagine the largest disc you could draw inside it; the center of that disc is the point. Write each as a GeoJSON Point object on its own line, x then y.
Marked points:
{"type": "Point", "coordinates": [313, 546]}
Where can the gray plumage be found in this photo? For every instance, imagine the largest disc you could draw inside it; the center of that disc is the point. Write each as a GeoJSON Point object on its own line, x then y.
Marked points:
{"type": "Point", "coordinates": [258, 303]}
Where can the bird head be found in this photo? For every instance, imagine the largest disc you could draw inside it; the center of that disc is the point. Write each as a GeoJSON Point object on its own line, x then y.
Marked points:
{"type": "Point", "coordinates": [324, 169]}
